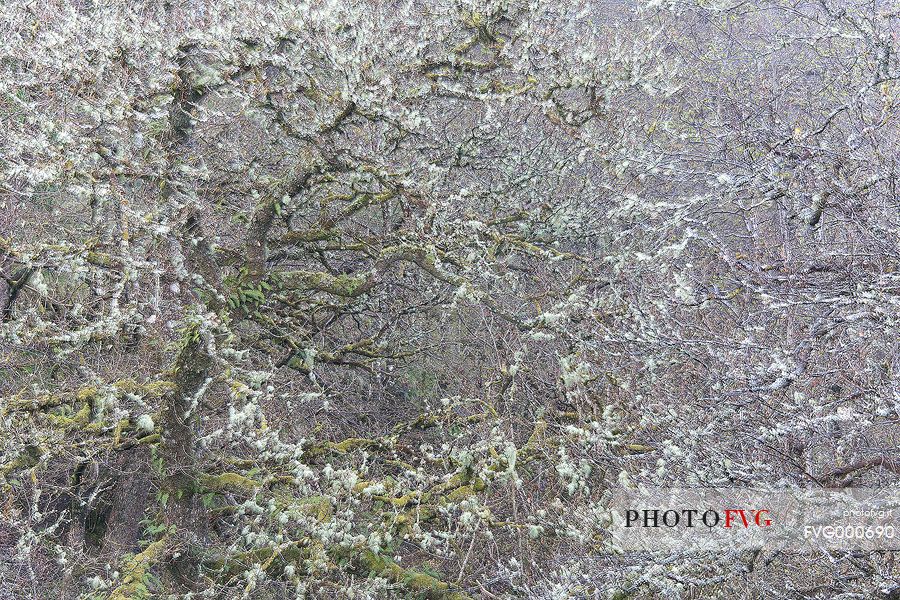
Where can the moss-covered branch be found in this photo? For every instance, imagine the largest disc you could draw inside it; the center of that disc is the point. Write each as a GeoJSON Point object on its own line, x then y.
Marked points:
{"type": "Point", "coordinates": [135, 570]}
{"type": "Point", "coordinates": [417, 582]}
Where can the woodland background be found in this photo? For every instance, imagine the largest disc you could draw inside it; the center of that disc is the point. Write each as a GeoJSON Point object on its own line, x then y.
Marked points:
{"type": "Point", "coordinates": [345, 299]}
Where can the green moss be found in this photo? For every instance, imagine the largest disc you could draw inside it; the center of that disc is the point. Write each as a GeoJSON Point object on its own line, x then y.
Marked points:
{"type": "Point", "coordinates": [79, 419]}
{"type": "Point", "coordinates": [465, 491]}
{"type": "Point", "coordinates": [228, 481]}
{"type": "Point", "coordinates": [27, 459]}
{"type": "Point", "coordinates": [352, 444]}
{"type": "Point", "coordinates": [403, 500]}
{"type": "Point", "coordinates": [18, 402]}
{"type": "Point", "coordinates": [273, 559]}
{"type": "Point", "coordinates": [86, 394]}
{"type": "Point", "coordinates": [460, 493]}
{"type": "Point", "coordinates": [417, 582]}
{"type": "Point", "coordinates": [135, 569]}
{"type": "Point", "coordinates": [348, 286]}
{"type": "Point", "coordinates": [638, 448]}
{"type": "Point", "coordinates": [318, 506]}
{"type": "Point", "coordinates": [458, 479]}
{"type": "Point", "coordinates": [150, 439]}
{"type": "Point", "coordinates": [101, 259]}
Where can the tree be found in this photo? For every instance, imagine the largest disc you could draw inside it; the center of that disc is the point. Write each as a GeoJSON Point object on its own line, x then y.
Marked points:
{"type": "Point", "coordinates": [379, 299]}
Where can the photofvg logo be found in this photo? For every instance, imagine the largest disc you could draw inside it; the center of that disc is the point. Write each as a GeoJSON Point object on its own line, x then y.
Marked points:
{"type": "Point", "coordinates": [692, 517]}
{"type": "Point", "coordinates": [707, 519]}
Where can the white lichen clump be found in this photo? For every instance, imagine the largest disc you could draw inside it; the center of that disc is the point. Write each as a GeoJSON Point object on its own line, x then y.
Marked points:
{"type": "Point", "coordinates": [145, 423]}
